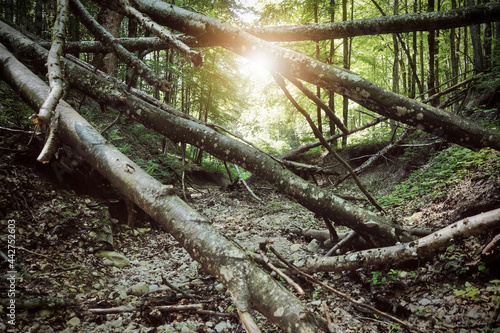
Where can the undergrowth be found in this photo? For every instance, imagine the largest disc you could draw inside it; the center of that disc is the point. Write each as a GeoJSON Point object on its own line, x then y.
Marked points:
{"type": "Point", "coordinates": [445, 169]}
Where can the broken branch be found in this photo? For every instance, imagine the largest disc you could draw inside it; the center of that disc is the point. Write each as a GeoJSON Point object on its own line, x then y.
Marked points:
{"type": "Point", "coordinates": [129, 58]}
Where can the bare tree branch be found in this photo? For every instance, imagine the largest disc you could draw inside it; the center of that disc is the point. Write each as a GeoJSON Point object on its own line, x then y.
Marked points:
{"type": "Point", "coordinates": [129, 58]}
{"type": "Point", "coordinates": [281, 83]}
{"type": "Point", "coordinates": [164, 35]}
{"type": "Point", "coordinates": [451, 234]}
{"type": "Point", "coordinates": [56, 84]}
{"type": "Point", "coordinates": [487, 12]}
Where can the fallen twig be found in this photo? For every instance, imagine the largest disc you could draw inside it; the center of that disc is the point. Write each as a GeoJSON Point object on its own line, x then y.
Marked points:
{"type": "Point", "coordinates": [341, 294]}
{"type": "Point", "coordinates": [280, 273]}
{"type": "Point", "coordinates": [247, 187]}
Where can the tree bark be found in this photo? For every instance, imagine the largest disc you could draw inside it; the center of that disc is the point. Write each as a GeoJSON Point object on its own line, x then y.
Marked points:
{"type": "Point", "coordinates": [165, 35]}
{"type": "Point", "coordinates": [470, 226]}
{"type": "Point", "coordinates": [111, 21]}
{"type": "Point", "coordinates": [477, 49]}
{"type": "Point", "coordinates": [250, 286]}
{"type": "Point", "coordinates": [382, 25]}
{"type": "Point", "coordinates": [180, 127]}
{"type": "Point", "coordinates": [123, 54]}
{"type": "Point", "coordinates": [416, 114]}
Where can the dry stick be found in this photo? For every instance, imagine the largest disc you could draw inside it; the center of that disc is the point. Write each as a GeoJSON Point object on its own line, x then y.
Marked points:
{"type": "Point", "coordinates": [248, 322]}
{"type": "Point", "coordinates": [195, 57]}
{"type": "Point", "coordinates": [375, 157]}
{"type": "Point", "coordinates": [327, 313]}
{"type": "Point", "coordinates": [279, 80]}
{"type": "Point", "coordinates": [174, 288]}
{"type": "Point", "coordinates": [341, 243]}
{"type": "Point", "coordinates": [280, 273]}
{"type": "Point", "coordinates": [56, 85]}
{"type": "Point", "coordinates": [247, 187]}
{"type": "Point", "coordinates": [491, 245]}
{"type": "Point", "coordinates": [312, 145]}
{"type": "Point", "coordinates": [450, 89]}
{"type": "Point", "coordinates": [341, 294]}
{"type": "Point", "coordinates": [214, 313]}
{"type": "Point", "coordinates": [121, 52]}
{"type": "Point", "coordinates": [16, 130]}
{"type": "Point", "coordinates": [112, 124]}
{"type": "Point", "coordinates": [165, 308]}
{"type": "Point", "coordinates": [329, 112]}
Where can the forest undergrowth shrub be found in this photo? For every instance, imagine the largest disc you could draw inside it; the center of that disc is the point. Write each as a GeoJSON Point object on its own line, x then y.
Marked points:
{"type": "Point", "coordinates": [444, 170]}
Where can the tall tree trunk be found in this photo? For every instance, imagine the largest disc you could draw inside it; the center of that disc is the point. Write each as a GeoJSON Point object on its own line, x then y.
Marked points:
{"type": "Point", "coordinates": [437, 80]}
{"type": "Point", "coordinates": [475, 35]}
{"type": "Point", "coordinates": [38, 17]}
{"type": "Point", "coordinates": [318, 89]}
{"type": "Point", "coordinates": [345, 99]}
{"type": "Point", "coordinates": [395, 67]}
{"type": "Point", "coordinates": [453, 55]}
{"type": "Point", "coordinates": [111, 21]}
{"type": "Point", "coordinates": [132, 76]}
{"type": "Point", "coordinates": [9, 10]}
{"type": "Point", "coordinates": [487, 43]}
{"type": "Point", "coordinates": [331, 94]}
{"type": "Point", "coordinates": [431, 45]}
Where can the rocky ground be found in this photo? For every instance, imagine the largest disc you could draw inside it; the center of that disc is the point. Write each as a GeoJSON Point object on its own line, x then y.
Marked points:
{"type": "Point", "coordinates": [64, 284]}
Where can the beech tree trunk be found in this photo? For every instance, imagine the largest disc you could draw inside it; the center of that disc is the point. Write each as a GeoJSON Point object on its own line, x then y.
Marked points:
{"type": "Point", "coordinates": [249, 285]}
{"type": "Point", "coordinates": [290, 63]}
{"type": "Point", "coordinates": [470, 226]}
{"type": "Point", "coordinates": [461, 17]}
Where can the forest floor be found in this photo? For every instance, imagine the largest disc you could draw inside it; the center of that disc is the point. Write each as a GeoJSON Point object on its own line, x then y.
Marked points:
{"type": "Point", "coordinates": [62, 284]}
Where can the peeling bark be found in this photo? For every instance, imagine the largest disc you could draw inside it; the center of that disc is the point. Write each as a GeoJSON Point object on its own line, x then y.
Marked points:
{"type": "Point", "coordinates": [250, 286]}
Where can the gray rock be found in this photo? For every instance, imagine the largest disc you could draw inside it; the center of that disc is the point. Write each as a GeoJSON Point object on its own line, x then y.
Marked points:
{"type": "Point", "coordinates": [313, 246]}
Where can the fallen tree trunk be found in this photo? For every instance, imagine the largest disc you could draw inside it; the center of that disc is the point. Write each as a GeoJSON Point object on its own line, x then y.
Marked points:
{"type": "Point", "coordinates": [177, 126]}
{"type": "Point", "coordinates": [291, 63]}
{"type": "Point", "coordinates": [446, 19]}
{"type": "Point", "coordinates": [470, 226]}
{"type": "Point", "coordinates": [249, 285]}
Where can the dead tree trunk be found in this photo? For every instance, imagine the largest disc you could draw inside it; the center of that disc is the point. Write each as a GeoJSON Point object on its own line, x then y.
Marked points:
{"type": "Point", "coordinates": [250, 287]}
{"type": "Point", "coordinates": [487, 12]}
{"type": "Point", "coordinates": [470, 226]}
